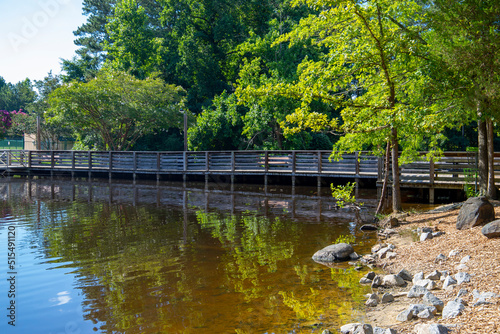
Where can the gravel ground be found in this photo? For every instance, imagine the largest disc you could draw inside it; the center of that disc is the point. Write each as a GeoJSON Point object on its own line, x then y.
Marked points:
{"type": "Point", "coordinates": [483, 266]}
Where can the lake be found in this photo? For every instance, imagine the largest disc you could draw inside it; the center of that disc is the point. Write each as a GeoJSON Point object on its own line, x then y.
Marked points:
{"type": "Point", "coordinates": [99, 257]}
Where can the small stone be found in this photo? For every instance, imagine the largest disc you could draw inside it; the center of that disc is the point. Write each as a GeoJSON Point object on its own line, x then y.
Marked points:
{"type": "Point", "coordinates": [377, 281]}
{"type": "Point", "coordinates": [393, 280]}
{"type": "Point", "coordinates": [354, 256]}
{"type": "Point", "coordinates": [371, 275]}
{"type": "Point", "coordinates": [378, 247]}
{"type": "Point", "coordinates": [465, 259]}
{"type": "Point", "coordinates": [491, 230]}
{"type": "Point", "coordinates": [427, 283]}
{"type": "Point", "coordinates": [381, 253]}
{"type": "Point", "coordinates": [431, 329]}
{"type": "Point", "coordinates": [453, 309]}
{"type": "Point", "coordinates": [349, 328]}
{"type": "Point", "coordinates": [431, 300]}
{"type": "Point", "coordinates": [417, 291]}
{"type": "Point", "coordinates": [405, 274]}
{"type": "Point", "coordinates": [449, 281]}
{"type": "Point", "coordinates": [418, 276]}
{"type": "Point", "coordinates": [406, 315]}
{"type": "Point", "coordinates": [440, 258]}
{"type": "Point", "coordinates": [427, 229]}
{"type": "Point", "coordinates": [363, 329]}
{"type": "Point", "coordinates": [435, 276]}
{"type": "Point", "coordinates": [387, 298]}
{"type": "Point", "coordinates": [462, 293]}
{"type": "Point", "coordinates": [437, 234]}
{"type": "Point", "coordinates": [454, 252]}
{"type": "Point", "coordinates": [462, 277]}
{"type": "Point", "coordinates": [390, 255]}
{"type": "Point", "coordinates": [425, 236]}
{"type": "Point", "coordinates": [372, 300]}
{"type": "Point", "coordinates": [365, 280]}
{"type": "Point", "coordinates": [425, 314]}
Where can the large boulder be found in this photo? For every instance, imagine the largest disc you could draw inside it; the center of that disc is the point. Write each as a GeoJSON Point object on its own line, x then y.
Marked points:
{"type": "Point", "coordinates": [492, 230]}
{"type": "Point", "coordinates": [476, 211]}
{"type": "Point", "coordinates": [332, 253]}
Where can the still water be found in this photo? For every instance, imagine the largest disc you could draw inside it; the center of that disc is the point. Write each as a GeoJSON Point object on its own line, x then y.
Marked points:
{"type": "Point", "coordinates": [141, 258]}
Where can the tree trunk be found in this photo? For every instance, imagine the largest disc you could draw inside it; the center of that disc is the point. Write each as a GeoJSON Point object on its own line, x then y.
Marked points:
{"type": "Point", "coordinates": [386, 179]}
{"type": "Point", "coordinates": [492, 190]}
{"type": "Point", "coordinates": [482, 139]}
{"type": "Point", "coordinates": [396, 189]}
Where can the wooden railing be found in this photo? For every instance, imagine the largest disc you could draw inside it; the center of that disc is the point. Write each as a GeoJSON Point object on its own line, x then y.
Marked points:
{"type": "Point", "coordinates": [451, 168]}
{"type": "Point", "coordinates": [240, 162]}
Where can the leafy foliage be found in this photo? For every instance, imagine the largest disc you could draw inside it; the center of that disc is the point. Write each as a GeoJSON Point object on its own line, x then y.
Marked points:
{"type": "Point", "coordinates": [117, 108]}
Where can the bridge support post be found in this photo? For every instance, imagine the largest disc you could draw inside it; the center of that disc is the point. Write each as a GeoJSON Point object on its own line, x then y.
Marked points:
{"type": "Point", "coordinates": [431, 196]}
{"type": "Point", "coordinates": [265, 183]}
{"type": "Point", "coordinates": [319, 185]}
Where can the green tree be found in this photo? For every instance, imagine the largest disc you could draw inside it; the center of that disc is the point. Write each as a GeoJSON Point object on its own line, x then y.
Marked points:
{"type": "Point", "coordinates": [373, 69]}
{"type": "Point", "coordinates": [217, 128]}
{"type": "Point", "coordinates": [466, 38]}
{"type": "Point", "coordinates": [117, 107]}
{"type": "Point", "coordinates": [16, 96]}
{"type": "Point", "coordinates": [91, 37]}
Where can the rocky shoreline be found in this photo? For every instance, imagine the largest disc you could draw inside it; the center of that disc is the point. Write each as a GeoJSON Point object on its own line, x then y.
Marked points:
{"type": "Point", "coordinates": [442, 273]}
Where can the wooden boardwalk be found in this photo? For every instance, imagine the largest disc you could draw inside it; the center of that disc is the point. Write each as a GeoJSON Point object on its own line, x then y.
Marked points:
{"type": "Point", "coordinates": [452, 171]}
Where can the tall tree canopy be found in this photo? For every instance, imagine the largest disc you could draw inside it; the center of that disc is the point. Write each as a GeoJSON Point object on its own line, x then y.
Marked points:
{"type": "Point", "coordinates": [117, 107]}
{"type": "Point", "coordinates": [466, 37]}
{"type": "Point", "coordinates": [372, 69]}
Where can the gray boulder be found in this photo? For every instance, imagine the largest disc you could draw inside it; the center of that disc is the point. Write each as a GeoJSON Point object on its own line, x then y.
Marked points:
{"type": "Point", "coordinates": [393, 280]}
{"type": "Point", "coordinates": [449, 281]}
{"type": "Point", "coordinates": [462, 277]}
{"type": "Point", "coordinates": [417, 291]}
{"type": "Point", "coordinates": [431, 300]}
{"type": "Point", "coordinates": [405, 274]}
{"type": "Point", "coordinates": [491, 230]}
{"type": "Point", "coordinates": [332, 253]}
{"type": "Point", "coordinates": [426, 236]}
{"type": "Point", "coordinates": [356, 328]}
{"type": "Point", "coordinates": [453, 308]}
{"type": "Point", "coordinates": [431, 329]}
{"type": "Point", "coordinates": [476, 211]}
{"type": "Point", "coordinates": [414, 310]}
{"type": "Point", "coordinates": [387, 298]}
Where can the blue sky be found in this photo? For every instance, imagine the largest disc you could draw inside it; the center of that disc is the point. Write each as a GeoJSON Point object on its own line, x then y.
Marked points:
{"type": "Point", "coordinates": [35, 35]}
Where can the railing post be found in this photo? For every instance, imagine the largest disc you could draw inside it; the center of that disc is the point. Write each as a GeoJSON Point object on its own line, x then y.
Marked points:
{"type": "Point", "coordinates": [207, 161]}
{"type": "Point", "coordinates": [90, 160]}
{"type": "Point", "coordinates": [52, 160]}
{"type": "Point", "coordinates": [266, 161]}
{"type": "Point", "coordinates": [431, 181]}
{"type": "Point", "coordinates": [73, 159]}
{"type": "Point", "coordinates": [320, 162]}
{"type": "Point", "coordinates": [294, 159]}
{"type": "Point", "coordinates": [356, 156]}
{"type": "Point", "coordinates": [233, 162]}
{"type": "Point", "coordinates": [29, 158]}
{"type": "Point", "coordinates": [158, 161]}
{"type": "Point", "coordinates": [110, 161]}
{"type": "Point", "coordinates": [431, 171]}
{"type": "Point", "coordinates": [8, 158]}
{"type": "Point", "coordinates": [134, 154]}
{"type": "Point", "coordinates": [184, 161]}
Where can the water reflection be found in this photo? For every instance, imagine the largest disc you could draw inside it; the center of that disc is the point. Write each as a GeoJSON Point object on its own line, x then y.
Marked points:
{"type": "Point", "coordinates": [177, 265]}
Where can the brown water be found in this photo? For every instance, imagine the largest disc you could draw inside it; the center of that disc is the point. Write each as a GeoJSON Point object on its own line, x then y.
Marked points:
{"type": "Point", "coordinates": [127, 258]}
